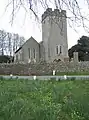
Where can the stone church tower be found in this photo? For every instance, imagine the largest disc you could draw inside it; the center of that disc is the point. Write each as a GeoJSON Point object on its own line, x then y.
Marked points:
{"type": "Point", "coordinates": [54, 34]}
{"type": "Point", "coordinates": [54, 40]}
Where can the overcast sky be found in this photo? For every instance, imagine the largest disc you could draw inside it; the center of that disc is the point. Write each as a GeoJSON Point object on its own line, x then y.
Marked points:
{"type": "Point", "coordinates": [25, 26]}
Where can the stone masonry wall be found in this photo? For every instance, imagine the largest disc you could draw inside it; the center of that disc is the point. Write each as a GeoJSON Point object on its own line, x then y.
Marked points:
{"type": "Point", "coordinates": [43, 68]}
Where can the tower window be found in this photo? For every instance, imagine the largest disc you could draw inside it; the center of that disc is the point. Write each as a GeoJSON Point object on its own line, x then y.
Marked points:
{"type": "Point", "coordinates": [60, 49]}
{"type": "Point", "coordinates": [56, 49]}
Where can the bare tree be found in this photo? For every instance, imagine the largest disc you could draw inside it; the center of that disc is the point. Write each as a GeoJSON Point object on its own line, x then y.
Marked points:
{"type": "Point", "coordinates": [2, 41]}
{"type": "Point", "coordinates": [17, 41]}
{"type": "Point", "coordinates": [74, 7]}
{"type": "Point", "coordinates": [21, 41]}
{"type": "Point", "coordinates": [9, 41]}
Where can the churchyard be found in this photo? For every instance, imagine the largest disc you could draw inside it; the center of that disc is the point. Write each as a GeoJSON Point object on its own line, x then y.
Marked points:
{"type": "Point", "coordinates": [40, 99]}
{"type": "Point", "coordinates": [40, 79]}
{"type": "Point", "coordinates": [34, 98]}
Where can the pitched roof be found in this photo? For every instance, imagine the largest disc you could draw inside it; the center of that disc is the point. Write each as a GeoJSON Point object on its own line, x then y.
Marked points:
{"type": "Point", "coordinates": [25, 43]}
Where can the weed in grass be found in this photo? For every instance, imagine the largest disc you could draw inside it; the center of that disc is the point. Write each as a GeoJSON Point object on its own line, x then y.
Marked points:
{"type": "Point", "coordinates": [44, 100]}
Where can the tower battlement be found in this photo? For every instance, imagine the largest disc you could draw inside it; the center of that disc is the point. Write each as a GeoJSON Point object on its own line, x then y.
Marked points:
{"type": "Point", "coordinates": [56, 12]}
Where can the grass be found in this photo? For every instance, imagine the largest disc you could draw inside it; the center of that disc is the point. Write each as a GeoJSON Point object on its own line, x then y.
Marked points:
{"type": "Point", "coordinates": [44, 100]}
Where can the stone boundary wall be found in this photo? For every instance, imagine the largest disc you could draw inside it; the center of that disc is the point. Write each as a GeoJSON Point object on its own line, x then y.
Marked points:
{"type": "Point", "coordinates": [43, 68]}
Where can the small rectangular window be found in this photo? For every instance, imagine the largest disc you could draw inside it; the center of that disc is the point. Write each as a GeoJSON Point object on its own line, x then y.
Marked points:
{"type": "Point", "coordinates": [29, 52]}
{"type": "Point", "coordinates": [34, 53]}
{"type": "Point", "coordinates": [60, 49]}
{"type": "Point", "coordinates": [56, 49]}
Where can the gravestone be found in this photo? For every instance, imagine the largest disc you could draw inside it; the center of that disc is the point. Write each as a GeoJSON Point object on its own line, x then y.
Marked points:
{"type": "Point", "coordinates": [75, 57]}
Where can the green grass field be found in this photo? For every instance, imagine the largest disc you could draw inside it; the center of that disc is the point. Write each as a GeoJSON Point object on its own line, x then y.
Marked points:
{"type": "Point", "coordinates": [44, 100]}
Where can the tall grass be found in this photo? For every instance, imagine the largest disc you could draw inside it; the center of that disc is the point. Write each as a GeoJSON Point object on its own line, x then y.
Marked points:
{"type": "Point", "coordinates": [44, 100]}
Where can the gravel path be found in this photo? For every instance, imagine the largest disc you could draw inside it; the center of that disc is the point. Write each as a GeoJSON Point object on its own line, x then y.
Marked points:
{"type": "Point", "coordinates": [79, 77]}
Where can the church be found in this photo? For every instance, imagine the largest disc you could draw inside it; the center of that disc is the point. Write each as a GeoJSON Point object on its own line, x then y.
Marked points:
{"type": "Point", "coordinates": [54, 45]}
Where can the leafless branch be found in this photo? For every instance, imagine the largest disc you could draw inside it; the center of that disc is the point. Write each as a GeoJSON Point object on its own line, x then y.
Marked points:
{"type": "Point", "coordinates": [72, 6]}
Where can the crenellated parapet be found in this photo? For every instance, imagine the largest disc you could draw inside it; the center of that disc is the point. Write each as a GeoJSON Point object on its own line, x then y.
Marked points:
{"type": "Point", "coordinates": [56, 12]}
{"type": "Point", "coordinates": [48, 12]}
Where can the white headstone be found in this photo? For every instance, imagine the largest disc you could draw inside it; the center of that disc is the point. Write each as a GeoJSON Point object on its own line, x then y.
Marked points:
{"type": "Point", "coordinates": [34, 77]}
{"type": "Point", "coordinates": [11, 75]}
{"type": "Point", "coordinates": [54, 72]}
{"type": "Point", "coordinates": [65, 77]}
